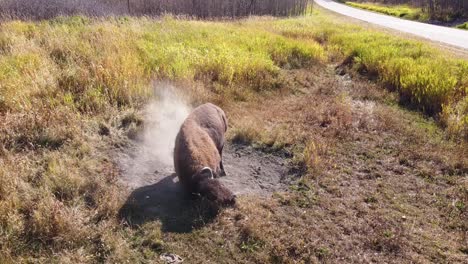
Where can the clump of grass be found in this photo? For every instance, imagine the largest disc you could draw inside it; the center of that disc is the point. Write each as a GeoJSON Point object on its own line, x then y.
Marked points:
{"type": "Point", "coordinates": [402, 11]}
{"type": "Point", "coordinates": [461, 26]}
{"type": "Point", "coordinates": [246, 133]}
{"type": "Point", "coordinates": [312, 156]}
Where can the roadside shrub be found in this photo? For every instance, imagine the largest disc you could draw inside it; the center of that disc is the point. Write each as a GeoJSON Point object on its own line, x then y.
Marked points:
{"type": "Point", "coordinates": [445, 11]}
{"type": "Point", "coordinates": [402, 11]}
{"type": "Point", "coordinates": [463, 26]}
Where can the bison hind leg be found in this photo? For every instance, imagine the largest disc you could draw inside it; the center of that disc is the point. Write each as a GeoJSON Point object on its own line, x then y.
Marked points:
{"type": "Point", "coordinates": [222, 171]}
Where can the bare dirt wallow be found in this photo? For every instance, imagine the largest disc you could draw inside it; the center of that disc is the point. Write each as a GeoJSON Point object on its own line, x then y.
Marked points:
{"type": "Point", "coordinates": [157, 195]}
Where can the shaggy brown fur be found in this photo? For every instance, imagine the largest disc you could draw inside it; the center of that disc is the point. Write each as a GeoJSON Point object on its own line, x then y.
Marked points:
{"type": "Point", "coordinates": [213, 120]}
{"type": "Point", "coordinates": [197, 153]}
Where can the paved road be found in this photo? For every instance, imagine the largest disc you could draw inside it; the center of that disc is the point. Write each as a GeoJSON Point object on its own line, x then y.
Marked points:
{"type": "Point", "coordinates": [451, 36]}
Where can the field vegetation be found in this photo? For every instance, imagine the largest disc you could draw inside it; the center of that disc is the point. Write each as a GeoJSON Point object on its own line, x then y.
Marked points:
{"type": "Point", "coordinates": [71, 89]}
{"type": "Point", "coordinates": [463, 26]}
{"type": "Point", "coordinates": [437, 10]}
{"type": "Point", "coordinates": [425, 78]}
{"type": "Point", "coordinates": [401, 11]}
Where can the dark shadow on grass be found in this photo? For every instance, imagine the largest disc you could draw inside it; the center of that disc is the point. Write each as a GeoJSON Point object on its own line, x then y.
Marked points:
{"type": "Point", "coordinates": [167, 202]}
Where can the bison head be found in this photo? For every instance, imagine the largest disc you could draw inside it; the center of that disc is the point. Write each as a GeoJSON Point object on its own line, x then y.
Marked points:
{"type": "Point", "coordinates": [213, 189]}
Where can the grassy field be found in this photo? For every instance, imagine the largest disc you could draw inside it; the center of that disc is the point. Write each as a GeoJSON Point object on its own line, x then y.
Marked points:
{"type": "Point", "coordinates": [402, 11]}
{"type": "Point", "coordinates": [71, 88]}
{"type": "Point", "coordinates": [463, 26]}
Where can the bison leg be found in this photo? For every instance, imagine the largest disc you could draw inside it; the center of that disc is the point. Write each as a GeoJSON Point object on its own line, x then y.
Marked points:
{"type": "Point", "coordinates": [221, 166]}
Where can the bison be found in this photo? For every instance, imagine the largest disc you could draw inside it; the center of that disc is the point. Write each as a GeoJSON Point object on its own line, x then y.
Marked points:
{"type": "Point", "coordinates": [198, 154]}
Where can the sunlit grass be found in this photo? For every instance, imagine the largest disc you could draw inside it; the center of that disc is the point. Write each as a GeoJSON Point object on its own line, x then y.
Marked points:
{"type": "Point", "coordinates": [425, 77]}
{"type": "Point", "coordinates": [92, 62]}
{"type": "Point", "coordinates": [402, 11]}
{"type": "Point", "coordinates": [463, 26]}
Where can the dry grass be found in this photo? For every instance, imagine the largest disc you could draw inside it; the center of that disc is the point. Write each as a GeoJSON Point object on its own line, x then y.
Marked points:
{"type": "Point", "coordinates": [371, 171]}
{"type": "Point", "coordinates": [69, 91]}
{"type": "Point", "coordinates": [379, 183]}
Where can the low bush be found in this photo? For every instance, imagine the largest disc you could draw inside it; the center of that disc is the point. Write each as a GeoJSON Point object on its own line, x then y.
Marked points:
{"type": "Point", "coordinates": [402, 11]}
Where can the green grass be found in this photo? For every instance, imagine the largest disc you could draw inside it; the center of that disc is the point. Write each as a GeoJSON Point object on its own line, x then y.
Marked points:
{"type": "Point", "coordinates": [463, 26]}
{"type": "Point", "coordinates": [425, 78]}
{"type": "Point", "coordinates": [402, 11]}
{"type": "Point", "coordinates": [89, 62]}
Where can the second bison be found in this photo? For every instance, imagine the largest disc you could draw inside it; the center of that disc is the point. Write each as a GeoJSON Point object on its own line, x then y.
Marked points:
{"type": "Point", "coordinates": [198, 154]}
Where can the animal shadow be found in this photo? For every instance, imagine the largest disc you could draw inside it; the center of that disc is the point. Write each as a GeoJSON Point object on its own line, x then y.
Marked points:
{"type": "Point", "coordinates": [167, 202]}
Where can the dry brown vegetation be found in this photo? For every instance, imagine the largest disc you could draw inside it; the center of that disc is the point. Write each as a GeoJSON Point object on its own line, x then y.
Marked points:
{"type": "Point", "coordinates": [380, 183]}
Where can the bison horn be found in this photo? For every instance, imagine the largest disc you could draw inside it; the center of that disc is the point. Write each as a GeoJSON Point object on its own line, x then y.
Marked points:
{"type": "Point", "coordinates": [207, 172]}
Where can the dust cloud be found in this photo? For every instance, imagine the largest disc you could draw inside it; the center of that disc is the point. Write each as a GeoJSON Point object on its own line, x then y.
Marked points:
{"type": "Point", "coordinates": [163, 118]}
{"type": "Point", "coordinates": [147, 163]}
{"type": "Point", "coordinates": [153, 153]}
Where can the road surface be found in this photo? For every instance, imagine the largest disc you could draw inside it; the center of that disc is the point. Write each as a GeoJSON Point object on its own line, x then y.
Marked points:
{"type": "Point", "coordinates": [446, 35]}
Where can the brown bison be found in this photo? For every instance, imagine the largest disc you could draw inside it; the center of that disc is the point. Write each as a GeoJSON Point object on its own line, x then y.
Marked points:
{"type": "Point", "coordinates": [198, 154]}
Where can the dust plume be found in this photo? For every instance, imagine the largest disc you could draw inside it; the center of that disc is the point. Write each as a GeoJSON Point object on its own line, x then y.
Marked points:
{"type": "Point", "coordinates": [153, 152]}
{"type": "Point", "coordinates": [163, 119]}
